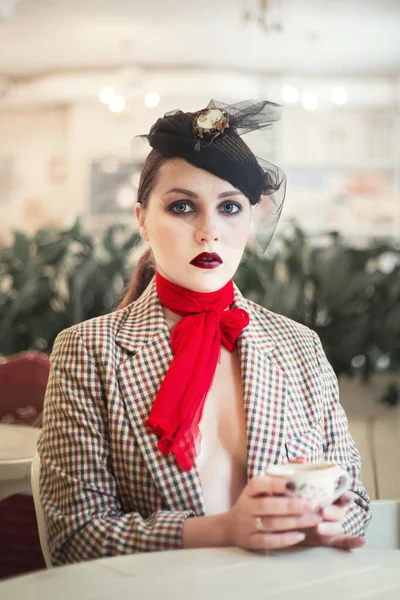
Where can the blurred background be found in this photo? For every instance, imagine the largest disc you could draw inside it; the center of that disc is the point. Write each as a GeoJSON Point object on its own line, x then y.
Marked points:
{"type": "Point", "coordinates": [80, 78]}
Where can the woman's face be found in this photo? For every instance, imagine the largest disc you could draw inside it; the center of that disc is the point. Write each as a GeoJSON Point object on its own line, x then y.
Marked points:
{"type": "Point", "coordinates": [191, 211]}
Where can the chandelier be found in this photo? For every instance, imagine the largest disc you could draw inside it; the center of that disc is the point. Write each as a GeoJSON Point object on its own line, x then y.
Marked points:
{"type": "Point", "coordinates": [266, 14]}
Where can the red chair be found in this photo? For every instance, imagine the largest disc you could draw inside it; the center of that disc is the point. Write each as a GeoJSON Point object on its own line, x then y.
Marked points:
{"type": "Point", "coordinates": [23, 380]}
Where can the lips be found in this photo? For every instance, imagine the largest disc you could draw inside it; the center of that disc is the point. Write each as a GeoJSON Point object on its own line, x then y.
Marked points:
{"type": "Point", "coordinates": [207, 260]}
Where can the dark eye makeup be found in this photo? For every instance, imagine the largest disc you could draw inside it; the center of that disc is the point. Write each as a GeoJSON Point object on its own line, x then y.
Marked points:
{"type": "Point", "coordinates": [184, 207]}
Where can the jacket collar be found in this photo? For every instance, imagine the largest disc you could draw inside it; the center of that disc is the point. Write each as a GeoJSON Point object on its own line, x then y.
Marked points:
{"type": "Point", "coordinates": [145, 320]}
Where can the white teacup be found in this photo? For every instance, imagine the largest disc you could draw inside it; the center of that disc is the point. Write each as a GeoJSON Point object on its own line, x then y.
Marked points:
{"type": "Point", "coordinates": [320, 483]}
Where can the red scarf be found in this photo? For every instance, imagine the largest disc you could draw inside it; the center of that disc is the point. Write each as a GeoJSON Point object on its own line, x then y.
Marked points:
{"type": "Point", "coordinates": [196, 343]}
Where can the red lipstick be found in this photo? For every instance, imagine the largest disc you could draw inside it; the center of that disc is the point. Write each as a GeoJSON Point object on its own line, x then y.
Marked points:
{"type": "Point", "coordinates": [207, 260]}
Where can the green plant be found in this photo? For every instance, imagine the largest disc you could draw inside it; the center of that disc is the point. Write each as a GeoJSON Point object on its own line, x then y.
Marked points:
{"type": "Point", "coordinates": [342, 293]}
{"type": "Point", "coordinates": [56, 279]}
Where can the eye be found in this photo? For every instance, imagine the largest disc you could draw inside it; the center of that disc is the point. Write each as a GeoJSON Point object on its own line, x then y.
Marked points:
{"type": "Point", "coordinates": [230, 208]}
{"type": "Point", "coordinates": [181, 208]}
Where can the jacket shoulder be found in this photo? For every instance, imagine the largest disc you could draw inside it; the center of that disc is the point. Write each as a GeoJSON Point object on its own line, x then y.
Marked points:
{"type": "Point", "coordinates": [282, 329]}
{"type": "Point", "coordinates": [97, 331]}
{"type": "Point", "coordinates": [128, 326]}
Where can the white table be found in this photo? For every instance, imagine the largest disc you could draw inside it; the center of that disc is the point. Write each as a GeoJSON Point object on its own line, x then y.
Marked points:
{"type": "Point", "coordinates": [17, 449]}
{"type": "Point", "coordinates": [219, 574]}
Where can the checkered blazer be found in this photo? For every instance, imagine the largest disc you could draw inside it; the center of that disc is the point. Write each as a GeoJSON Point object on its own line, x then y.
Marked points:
{"type": "Point", "coordinates": [105, 487]}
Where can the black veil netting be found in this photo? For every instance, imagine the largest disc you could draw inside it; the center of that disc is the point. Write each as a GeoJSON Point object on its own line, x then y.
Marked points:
{"type": "Point", "coordinates": [211, 139]}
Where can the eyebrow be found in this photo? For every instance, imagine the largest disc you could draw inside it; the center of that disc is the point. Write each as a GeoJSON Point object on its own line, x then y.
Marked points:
{"type": "Point", "coordinates": [194, 195]}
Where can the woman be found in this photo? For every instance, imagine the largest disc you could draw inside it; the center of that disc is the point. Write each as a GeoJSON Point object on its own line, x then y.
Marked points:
{"type": "Point", "coordinates": [161, 418]}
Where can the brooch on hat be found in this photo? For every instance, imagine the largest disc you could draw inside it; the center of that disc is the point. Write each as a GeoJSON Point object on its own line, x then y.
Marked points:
{"type": "Point", "coordinates": [209, 123]}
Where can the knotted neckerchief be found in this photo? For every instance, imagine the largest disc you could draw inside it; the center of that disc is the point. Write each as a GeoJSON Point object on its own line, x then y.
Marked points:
{"type": "Point", "coordinates": [196, 342]}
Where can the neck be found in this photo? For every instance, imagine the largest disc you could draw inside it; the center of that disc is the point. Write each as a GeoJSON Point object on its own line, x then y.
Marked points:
{"type": "Point", "coordinates": [178, 301]}
{"type": "Point", "coordinates": [171, 318]}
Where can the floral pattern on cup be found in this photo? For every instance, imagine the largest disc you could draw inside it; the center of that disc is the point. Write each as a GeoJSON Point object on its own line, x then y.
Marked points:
{"type": "Point", "coordinates": [318, 496]}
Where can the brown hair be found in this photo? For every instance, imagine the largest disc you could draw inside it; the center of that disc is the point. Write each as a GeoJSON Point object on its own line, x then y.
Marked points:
{"type": "Point", "coordinates": [145, 267]}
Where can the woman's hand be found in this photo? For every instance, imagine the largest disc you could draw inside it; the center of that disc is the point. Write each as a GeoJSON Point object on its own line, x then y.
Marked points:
{"type": "Point", "coordinates": [264, 517]}
{"type": "Point", "coordinates": [329, 531]}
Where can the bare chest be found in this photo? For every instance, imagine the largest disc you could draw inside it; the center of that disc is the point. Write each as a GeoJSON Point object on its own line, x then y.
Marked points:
{"type": "Point", "coordinates": [222, 462]}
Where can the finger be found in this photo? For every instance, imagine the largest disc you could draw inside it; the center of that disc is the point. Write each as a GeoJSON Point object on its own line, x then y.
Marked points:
{"type": "Point", "coordinates": [334, 513]}
{"type": "Point", "coordinates": [299, 459]}
{"type": "Point", "coordinates": [331, 529]}
{"type": "Point", "coordinates": [348, 542]}
{"type": "Point", "coordinates": [272, 505]}
{"type": "Point", "coordinates": [272, 524]}
{"type": "Point", "coordinates": [272, 541]}
{"type": "Point", "coordinates": [346, 499]}
{"type": "Point", "coordinates": [270, 485]}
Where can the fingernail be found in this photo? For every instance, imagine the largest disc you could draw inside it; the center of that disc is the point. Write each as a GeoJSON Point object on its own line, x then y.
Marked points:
{"type": "Point", "coordinates": [291, 486]}
{"type": "Point", "coordinates": [300, 537]}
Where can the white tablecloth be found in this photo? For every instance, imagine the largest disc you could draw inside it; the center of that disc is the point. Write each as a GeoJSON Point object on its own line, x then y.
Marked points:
{"type": "Point", "coordinates": [218, 574]}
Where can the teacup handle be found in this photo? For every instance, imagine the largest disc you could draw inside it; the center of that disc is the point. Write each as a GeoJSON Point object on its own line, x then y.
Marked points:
{"type": "Point", "coordinates": [344, 485]}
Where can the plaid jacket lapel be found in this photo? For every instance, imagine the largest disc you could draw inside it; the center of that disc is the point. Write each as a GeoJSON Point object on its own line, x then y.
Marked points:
{"type": "Point", "coordinates": [265, 391]}
{"type": "Point", "coordinates": [146, 334]}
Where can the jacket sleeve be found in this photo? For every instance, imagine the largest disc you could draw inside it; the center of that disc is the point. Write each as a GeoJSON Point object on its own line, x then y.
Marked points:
{"type": "Point", "coordinates": [340, 448]}
{"type": "Point", "coordinates": [79, 494]}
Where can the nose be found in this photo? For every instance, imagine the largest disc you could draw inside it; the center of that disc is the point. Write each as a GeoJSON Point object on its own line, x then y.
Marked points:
{"type": "Point", "coordinates": [207, 230]}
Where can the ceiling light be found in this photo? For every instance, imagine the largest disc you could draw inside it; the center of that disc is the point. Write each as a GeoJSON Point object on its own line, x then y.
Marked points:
{"type": "Point", "coordinates": [309, 101]}
{"type": "Point", "coordinates": [290, 94]}
{"type": "Point", "coordinates": [152, 99]}
{"type": "Point", "coordinates": [339, 96]}
{"type": "Point", "coordinates": [126, 197]}
{"type": "Point", "coordinates": [106, 95]}
{"type": "Point", "coordinates": [117, 104]}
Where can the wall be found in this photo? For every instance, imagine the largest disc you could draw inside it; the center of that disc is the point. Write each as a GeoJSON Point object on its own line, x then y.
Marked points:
{"type": "Point", "coordinates": [343, 170]}
{"type": "Point", "coordinates": [33, 167]}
